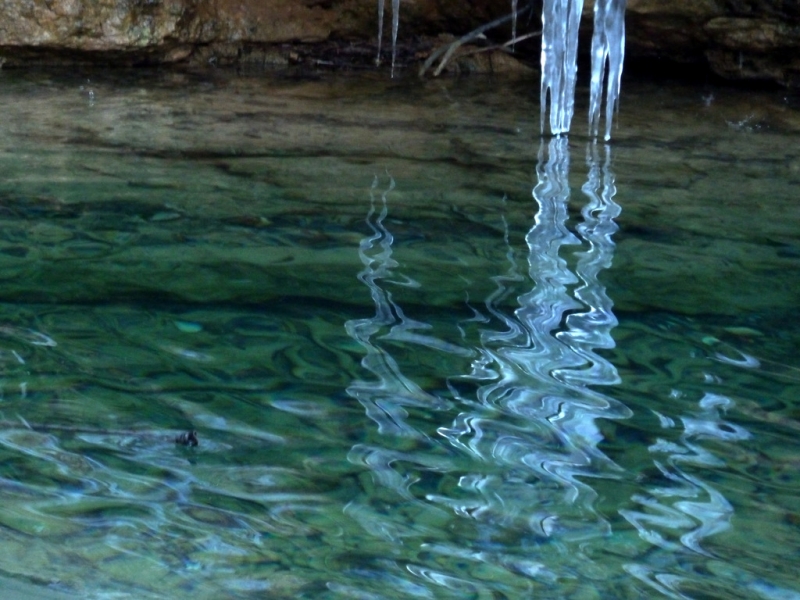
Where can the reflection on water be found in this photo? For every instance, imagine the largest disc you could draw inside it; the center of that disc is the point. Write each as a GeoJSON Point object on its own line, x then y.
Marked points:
{"type": "Point", "coordinates": [385, 399]}
{"type": "Point", "coordinates": [535, 412]}
{"type": "Point", "coordinates": [480, 390]}
{"type": "Point", "coordinates": [527, 409]}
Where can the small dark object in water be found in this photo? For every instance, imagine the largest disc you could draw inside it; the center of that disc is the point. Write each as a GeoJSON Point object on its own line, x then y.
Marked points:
{"type": "Point", "coordinates": [188, 439]}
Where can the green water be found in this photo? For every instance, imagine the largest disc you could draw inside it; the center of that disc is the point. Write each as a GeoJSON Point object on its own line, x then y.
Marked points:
{"type": "Point", "coordinates": [426, 355]}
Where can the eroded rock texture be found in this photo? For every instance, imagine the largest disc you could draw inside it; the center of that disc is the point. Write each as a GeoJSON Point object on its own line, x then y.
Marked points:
{"type": "Point", "coordinates": [737, 39]}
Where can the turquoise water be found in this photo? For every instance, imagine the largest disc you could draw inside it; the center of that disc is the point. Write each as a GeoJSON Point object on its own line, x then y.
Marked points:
{"type": "Point", "coordinates": [426, 355]}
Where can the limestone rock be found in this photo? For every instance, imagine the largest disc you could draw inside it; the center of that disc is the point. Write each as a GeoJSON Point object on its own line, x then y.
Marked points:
{"type": "Point", "coordinates": [747, 48]}
{"type": "Point", "coordinates": [736, 39]}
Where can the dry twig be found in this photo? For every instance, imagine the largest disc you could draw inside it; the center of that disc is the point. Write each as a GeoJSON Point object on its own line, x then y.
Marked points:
{"type": "Point", "coordinates": [449, 49]}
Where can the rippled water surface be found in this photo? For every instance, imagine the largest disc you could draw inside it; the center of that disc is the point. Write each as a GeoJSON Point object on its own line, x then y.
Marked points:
{"type": "Point", "coordinates": [425, 354]}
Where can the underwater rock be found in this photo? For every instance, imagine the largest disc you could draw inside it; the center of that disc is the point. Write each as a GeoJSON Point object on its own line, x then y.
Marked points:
{"type": "Point", "coordinates": [188, 438]}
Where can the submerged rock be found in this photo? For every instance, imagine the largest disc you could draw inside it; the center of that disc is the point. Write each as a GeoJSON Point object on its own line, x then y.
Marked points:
{"type": "Point", "coordinates": [188, 438]}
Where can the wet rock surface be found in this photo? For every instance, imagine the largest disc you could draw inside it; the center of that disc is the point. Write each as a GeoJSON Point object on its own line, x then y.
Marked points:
{"type": "Point", "coordinates": [756, 40]}
{"type": "Point", "coordinates": [738, 40]}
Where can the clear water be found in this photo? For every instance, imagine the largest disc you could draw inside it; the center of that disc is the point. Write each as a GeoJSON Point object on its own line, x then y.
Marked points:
{"type": "Point", "coordinates": [426, 355]}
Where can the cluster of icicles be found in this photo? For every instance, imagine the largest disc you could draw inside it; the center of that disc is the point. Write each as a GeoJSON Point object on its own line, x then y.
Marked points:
{"type": "Point", "coordinates": [560, 21]}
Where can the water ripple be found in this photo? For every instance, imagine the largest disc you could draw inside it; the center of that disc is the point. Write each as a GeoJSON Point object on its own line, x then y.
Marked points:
{"type": "Point", "coordinates": [530, 422]}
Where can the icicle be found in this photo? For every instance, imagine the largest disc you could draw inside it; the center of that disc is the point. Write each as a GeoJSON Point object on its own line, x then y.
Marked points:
{"type": "Point", "coordinates": [608, 46]}
{"type": "Point", "coordinates": [380, 31]}
{"type": "Point", "coordinates": [395, 26]}
{"type": "Point", "coordinates": [513, 23]}
{"type": "Point", "coordinates": [560, 21]}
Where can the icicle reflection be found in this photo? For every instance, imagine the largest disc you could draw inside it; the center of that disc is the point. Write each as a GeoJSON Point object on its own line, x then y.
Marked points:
{"type": "Point", "coordinates": [385, 398]}
{"type": "Point", "coordinates": [509, 445]}
{"type": "Point", "coordinates": [682, 505]}
{"type": "Point", "coordinates": [528, 428]}
{"type": "Point", "coordinates": [536, 411]}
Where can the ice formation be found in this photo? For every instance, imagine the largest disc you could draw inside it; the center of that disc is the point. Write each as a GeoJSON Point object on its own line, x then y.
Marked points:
{"type": "Point", "coordinates": [395, 27]}
{"type": "Point", "coordinates": [380, 31]}
{"type": "Point", "coordinates": [608, 46]}
{"type": "Point", "coordinates": [560, 21]}
{"type": "Point", "coordinates": [560, 25]}
{"type": "Point", "coordinates": [513, 22]}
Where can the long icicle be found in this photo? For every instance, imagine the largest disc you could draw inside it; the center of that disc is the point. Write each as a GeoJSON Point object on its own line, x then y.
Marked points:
{"type": "Point", "coordinates": [395, 27]}
{"type": "Point", "coordinates": [560, 21]}
{"type": "Point", "coordinates": [513, 23]}
{"type": "Point", "coordinates": [380, 31]}
{"type": "Point", "coordinates": [608, 48]}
